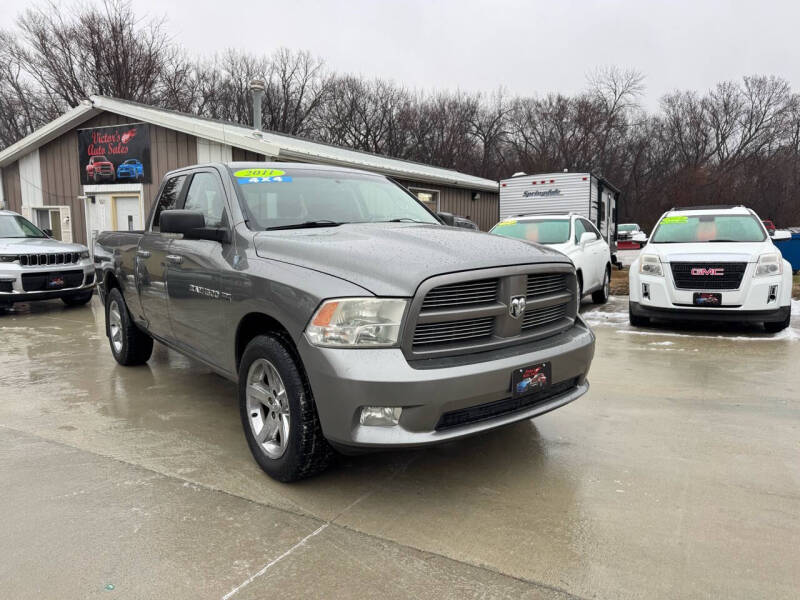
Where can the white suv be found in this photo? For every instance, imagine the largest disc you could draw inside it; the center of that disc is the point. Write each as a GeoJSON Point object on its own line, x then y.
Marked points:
{"type": "Point", "coordinates": [572, 235]}
{"type": "Point", "coordinates": [711, 263]}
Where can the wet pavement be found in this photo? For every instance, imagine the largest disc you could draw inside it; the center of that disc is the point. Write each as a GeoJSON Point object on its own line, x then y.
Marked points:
{"type": "Point", "coordinates": [677, 475]}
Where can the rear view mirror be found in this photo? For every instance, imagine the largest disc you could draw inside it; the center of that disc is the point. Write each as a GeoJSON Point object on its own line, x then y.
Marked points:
{"type": "Point", "coordinates": [48, 232]}
{"type": "Point", "coordinates": [192, 224]}
{"type": "Point", "coordinates": [587, 237]}
{"type": "Point", "coordinates": [781, 234]}
{"type": "Point", "coordinates": [448, 218]}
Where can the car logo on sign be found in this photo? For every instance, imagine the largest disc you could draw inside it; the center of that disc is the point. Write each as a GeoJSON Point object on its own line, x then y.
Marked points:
{"type": "Point", "coordinates": [516, 306]}
{"type": "Point", "coordinates": [702, 271]}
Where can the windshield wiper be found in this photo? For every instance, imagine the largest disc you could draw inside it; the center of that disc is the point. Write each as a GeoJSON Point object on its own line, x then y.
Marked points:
{"type": "Point", "coordinates": [404, 220]}
{"type": "Point", "coordinates": [308, 225]}
{"type": "Point", "coordinates": [722, 240]}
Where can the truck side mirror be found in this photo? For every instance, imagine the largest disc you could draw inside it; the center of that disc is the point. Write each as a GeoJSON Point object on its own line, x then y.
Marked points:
{"type": "Point", "coordinates": [192, 224]}
{"type": "Point", "coordinates": [447, 218]}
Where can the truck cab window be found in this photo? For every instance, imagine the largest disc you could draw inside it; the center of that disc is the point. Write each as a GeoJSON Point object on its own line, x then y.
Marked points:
{"type": "Point", "coordinates": [206, 196]}
{"type": "Point", "coordinates": [168, 198]}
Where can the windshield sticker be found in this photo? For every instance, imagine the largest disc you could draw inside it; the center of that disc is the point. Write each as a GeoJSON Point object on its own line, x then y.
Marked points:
{"type": "Point", "coordinates": [259, 173]}
{"type": "Point", "coordinates": [274, 179]}
{"type": "Point", "coordinates": [506, 223]}
{"type": "Point", "coordinates": [671, 220]}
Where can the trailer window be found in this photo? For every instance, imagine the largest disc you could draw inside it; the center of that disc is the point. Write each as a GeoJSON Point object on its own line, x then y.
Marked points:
{"type": "Point", "coordinates": [544, 231]}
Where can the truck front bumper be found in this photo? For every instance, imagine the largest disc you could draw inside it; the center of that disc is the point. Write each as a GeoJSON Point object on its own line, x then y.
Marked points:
{"type": "Point", "coordinates": [442, 399]}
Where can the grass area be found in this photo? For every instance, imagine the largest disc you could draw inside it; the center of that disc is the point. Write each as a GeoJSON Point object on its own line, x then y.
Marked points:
{"type": "Point", "coordinates": [619, 283]}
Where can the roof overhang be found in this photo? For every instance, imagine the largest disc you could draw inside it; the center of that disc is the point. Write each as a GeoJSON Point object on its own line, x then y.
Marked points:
{"type": "Point", "coordinates": [47, 133]}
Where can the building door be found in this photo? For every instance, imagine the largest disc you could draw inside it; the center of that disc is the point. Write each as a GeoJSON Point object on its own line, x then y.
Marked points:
{"type": "Point", "coordinates": [127, 214]}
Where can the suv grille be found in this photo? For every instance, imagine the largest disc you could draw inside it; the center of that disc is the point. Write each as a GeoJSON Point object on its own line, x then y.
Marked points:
{"type": "Point", "coordinates": [461, 294]}
{"type": "Point", "coordinates": [483, 412]}
{"type": "Point", "coordinates": [35, 282]}
{"type": "Point", "coordinates": [59, 258]}
{"type": "Point", "coordinates": [475, 314]}
{"type": "Point", "coordinates": [730, 279]}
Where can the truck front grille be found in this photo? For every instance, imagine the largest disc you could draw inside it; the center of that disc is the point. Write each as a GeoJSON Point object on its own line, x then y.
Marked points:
{"type": "Point", "coordinates": [698, 276]}
{"type": "Point", "coordinates": [474, 312]}
{"type": "Point", "coordinates": [461, 294]}
{"type": "Point", "coordinates": [484, 412]}
{"type": "Point", "coordinates": [452, 331]}
{"type": "Point", "coordinates": [543, 316]}
{"type": "Point", "coordinates": [58, 258]}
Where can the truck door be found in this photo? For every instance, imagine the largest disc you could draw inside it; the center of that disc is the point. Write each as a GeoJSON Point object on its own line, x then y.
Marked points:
{"type": "Point", "coordinates": [151, 262]}
{"type": "Point", "coordinates": [198, 302]}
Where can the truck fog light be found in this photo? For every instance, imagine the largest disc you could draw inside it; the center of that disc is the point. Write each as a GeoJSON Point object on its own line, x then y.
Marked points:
{"type": "Point", "coordinates": [380, 416]}
{"type": "Point", "coordinates": [646, 291]}
{"type": "Point", "coordinates": [773, 294]}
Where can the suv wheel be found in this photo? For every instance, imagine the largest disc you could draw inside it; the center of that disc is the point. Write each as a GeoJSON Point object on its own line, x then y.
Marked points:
{"type": "Point", "coordinates": [129, 344]}
{"type": "Point", "coordinates": [777, 326]}
{"type": "Point", "coordinates": [278, 412]}
{"type": "Point", "coordinates": [601, 295]}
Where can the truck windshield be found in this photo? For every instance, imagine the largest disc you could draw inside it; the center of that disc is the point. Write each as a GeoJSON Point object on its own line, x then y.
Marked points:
{"type": "Point", "coordinates": [627, 227]}
{"type": "Point", "coordinates": [14, 226]}
{"type": "Point", "coordinates": [283, 199]}
{"type": "Point", "coordinates": [544, 231]}
{"type": "Point", "coordinates": [687, 229]}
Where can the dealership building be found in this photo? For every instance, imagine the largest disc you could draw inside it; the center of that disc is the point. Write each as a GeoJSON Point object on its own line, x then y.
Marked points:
{"type": "Point", "coordinates": [98, 166]}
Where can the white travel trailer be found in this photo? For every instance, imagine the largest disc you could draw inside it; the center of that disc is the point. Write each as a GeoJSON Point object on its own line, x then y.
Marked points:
{"type": "Point", "coordinates": [584, 194]}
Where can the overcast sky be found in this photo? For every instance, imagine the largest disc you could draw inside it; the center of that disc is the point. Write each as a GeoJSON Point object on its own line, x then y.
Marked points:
{"type": "Point", "coordinates": [531, 47]}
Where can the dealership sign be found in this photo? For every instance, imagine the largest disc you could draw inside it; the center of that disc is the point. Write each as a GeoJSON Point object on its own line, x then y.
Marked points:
{"type": "Point", "coordinates": [116, 154]}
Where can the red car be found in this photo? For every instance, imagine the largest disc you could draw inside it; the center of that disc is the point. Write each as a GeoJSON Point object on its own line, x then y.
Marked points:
{"type": "Point", "coordinates": [770, 227]}
{"type": "Point", "coordinates": [100, 167]}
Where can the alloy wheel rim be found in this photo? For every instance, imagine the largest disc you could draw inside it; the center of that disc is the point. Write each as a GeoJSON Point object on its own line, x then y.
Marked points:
{"type": "Point", "coordinates": [268, 408]}
{"type": "Point", "coordinates": [115, 326]}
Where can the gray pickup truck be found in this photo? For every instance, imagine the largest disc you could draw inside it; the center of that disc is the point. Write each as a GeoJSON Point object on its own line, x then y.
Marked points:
{"type": "Point", "coordinates": [351, 317]}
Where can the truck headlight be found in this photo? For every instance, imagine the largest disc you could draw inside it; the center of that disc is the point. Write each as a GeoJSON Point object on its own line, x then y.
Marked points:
{"type": "Point", "coordinates": [650, 264]}
{"type": "Point", "coordinates": [769, 264]}
{"type": "Point", "coordinates": [357, 322]}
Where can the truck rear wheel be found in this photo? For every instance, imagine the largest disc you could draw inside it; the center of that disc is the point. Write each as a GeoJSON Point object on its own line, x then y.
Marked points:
{"type": "Point", "coordinates": [129, 344]}
{"type": "Point", "coordinates": [278, 412]}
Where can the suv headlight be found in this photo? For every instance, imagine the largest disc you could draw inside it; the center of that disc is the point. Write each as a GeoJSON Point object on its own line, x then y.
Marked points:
{"type": "Point", "coordinates": [769, 264]}
{"type": "Point", "coordinates": [357, 322]}
{"type": "Point", "coordinates": [8, 258]}
{"type": "Point", "coordinates": [650, 264]}
{"type": "Point", "coordinates": [85, 254]}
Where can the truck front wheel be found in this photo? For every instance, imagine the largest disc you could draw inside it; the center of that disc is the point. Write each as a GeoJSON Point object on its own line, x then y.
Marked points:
{"type": "Point", "coordinates": [129, 344]}
{"type": "Point", "coordinates": [278, 412]}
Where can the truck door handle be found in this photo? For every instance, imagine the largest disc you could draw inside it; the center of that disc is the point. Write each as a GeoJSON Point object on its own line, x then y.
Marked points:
{"type": "Point", "coordinates": [175, 259]}
{"type": "Point", "coordinates": [143, 253]}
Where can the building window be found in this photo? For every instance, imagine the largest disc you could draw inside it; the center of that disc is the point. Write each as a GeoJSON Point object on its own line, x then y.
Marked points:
{"type": "Point", "coordinates": [50, 219]}
{"type": "Point", "coordinates": [429, 198]}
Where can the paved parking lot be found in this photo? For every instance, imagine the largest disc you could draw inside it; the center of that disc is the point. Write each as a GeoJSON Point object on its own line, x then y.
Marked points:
{"type": "Point", "coordinates": [678, 475]}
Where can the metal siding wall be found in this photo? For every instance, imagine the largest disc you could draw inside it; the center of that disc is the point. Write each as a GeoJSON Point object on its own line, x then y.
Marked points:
{"type": "Point", "coordinates": [61, 172]}
{"type": "Point", "coordinates": [241, 155]}
{"type": "Point", "coordinates": [484, 212]}
{"type": "Point", "coordinates": [12, 191]}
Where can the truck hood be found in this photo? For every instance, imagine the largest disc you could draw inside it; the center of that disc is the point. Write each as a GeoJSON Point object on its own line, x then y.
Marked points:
{"type": "Point", "coordinates": [392, 259]}
{"type": "Point", "coordinates": [710, 252]}
{"type": "Point", "coordinates": [36, 246]}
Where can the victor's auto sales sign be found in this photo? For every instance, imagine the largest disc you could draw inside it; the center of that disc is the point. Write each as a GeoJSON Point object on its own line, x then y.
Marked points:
{"type": "Point", "coordinates": [116, 154]}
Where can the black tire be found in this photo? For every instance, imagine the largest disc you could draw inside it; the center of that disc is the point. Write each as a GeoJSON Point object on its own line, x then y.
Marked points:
{"type": "Point", "coordinates": [77, 299]}
{"type": "Point", "coordinates": [580, 288]}
{"type": "Point", "coordinates": [135, 346]}
{"type": "Point", "coordinates": [601, 295]}
{"type": "Point", "coordinates": [636, 320]}
{"type": "Point", "coordinates": [307, 452]}
{"type": "Point", "coordinates": [776, 326]}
